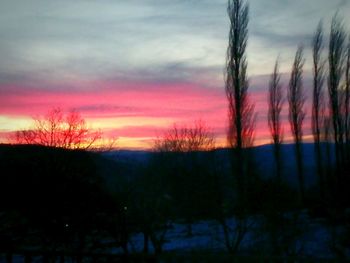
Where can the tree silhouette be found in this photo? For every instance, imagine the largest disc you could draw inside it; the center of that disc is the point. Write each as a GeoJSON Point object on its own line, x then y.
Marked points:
{"type": "Point", "coordinates": [347, 98]}
{"type": "Point", "coordinates": [151, 204]}
{"type": "Point", "coordinates": [57, 130]}
{"type": "Point", "coordinates": [183, 152]}
{"type": "Point", "coordinates": [241, 123]}
{"type": "Point", "coordinates": [240, 112]}
{"type": "Point", "coordinates": [318, 106]}
{"type": "Point", "coordinates": [275, 101]}
{"type": "Point", "coordinates": [296, 99]}
{"type": "Point", "coordinates": [335, 60]}
{"type": "Point", "coordinates": [186, 139]}
{"type": "Point", "coordinates": [50, 193]}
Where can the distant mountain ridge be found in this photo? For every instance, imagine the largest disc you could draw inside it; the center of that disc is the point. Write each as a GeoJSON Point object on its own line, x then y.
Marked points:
{"type": "Point", "coordinates": [263, 158]}
{"type": "Point", "coordinates": [126, 164]}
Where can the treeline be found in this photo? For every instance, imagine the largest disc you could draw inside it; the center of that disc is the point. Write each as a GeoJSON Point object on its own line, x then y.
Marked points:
{"type": "Point", "coordinates": [330, 119]}
{"type": "Point", "coordinates": [76, 205]}
{"type": "Point", "coordinates": [54, 202]}
{"type": "Point", "coordinates": [330, 125]}
{"type": "Point", "coordinates": [330, 107]}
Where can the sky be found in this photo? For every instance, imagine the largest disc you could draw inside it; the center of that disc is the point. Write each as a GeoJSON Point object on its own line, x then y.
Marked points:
{"type": "Point", "coordinates": [133, 68]}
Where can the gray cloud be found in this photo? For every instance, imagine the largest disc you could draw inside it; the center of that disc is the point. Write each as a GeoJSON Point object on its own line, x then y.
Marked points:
{"type": "Point", "coordinates": [64, 41]}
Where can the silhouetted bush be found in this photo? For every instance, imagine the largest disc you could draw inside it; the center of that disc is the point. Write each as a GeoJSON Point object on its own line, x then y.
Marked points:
{"type": "Point", "coordinates": [53, 198]}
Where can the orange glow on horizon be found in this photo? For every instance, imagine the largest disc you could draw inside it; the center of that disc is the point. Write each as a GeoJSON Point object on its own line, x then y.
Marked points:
{"type": "Point", "coordinates": [134, 116]}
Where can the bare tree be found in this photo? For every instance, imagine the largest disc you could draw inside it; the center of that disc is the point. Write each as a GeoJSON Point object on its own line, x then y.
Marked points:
{"type": "Point", "coordinates": [186, 164]}
{"type": "Point", "coordinates": [240, 113]}
{"type": "Point", "coordinates": [318, 106]}
{"type": "Point", "coordinates": [57, 130]}
{"type": "Point", "coordinates": [186, 139]}
{"type": "Point", "coordinates": [296, 99]}
{"type": "Point", "coordinates": [336, 61]}
{"type": "Point", "coordinates": [275, 101]}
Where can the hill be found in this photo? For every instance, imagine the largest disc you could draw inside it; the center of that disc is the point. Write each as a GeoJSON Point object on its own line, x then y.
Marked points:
{"type": "Point", "coordinates": [263, 159]}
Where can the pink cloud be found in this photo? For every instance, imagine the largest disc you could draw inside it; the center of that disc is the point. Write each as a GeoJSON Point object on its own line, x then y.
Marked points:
{"type": "Point", "coordinates": [182, 103]}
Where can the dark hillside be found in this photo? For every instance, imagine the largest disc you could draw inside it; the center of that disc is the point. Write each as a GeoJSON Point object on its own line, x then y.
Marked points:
{"type": "Point", "coordinates": [263, 158]}
{"type": "Point", "coordinates": [53, 198]}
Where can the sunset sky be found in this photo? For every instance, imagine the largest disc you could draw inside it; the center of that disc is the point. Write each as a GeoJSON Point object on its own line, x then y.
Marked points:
{"type": "Point", "coordinates": [133, 68]}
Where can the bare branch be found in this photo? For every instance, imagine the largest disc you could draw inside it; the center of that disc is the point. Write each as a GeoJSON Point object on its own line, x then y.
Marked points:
{"type": "Point", "coordinates": [336, 61]}
{"type": "Point", "coordinates": [275, 101]}
{"type": "Point", "coordinates": [57, 130]}
{"type": "Point", "coordinates": [296, 97]}
{"type": "Point", "coordinates": [184, 139]}
{"type": "Point", "coordinates": [241, 119]}
{"type": "Point", "coordinates": [318, 106]}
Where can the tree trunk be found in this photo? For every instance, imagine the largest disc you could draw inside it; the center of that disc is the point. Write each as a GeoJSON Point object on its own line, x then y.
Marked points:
{"type": "Point", "coordinates": [300, 171]}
